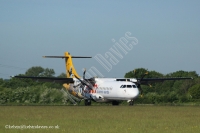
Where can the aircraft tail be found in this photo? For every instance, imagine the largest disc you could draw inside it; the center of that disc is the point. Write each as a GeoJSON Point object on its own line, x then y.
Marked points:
{"type": "Point", "coordinates": [68, 63]}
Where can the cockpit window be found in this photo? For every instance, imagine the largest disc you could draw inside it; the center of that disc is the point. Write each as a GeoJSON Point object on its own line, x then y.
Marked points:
{"type": "Point", "coordinates": [129, 86]}
{"type": "Point", "coordinates": [134, 86]}
{"type": "Point", "coordinates": [123, 86]}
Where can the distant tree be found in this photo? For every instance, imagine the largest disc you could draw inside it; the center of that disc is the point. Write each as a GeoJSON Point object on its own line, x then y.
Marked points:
{"type": "Point", "coordinates": [182, 73]}
{"type": "Point", "coordinates": [48, 73]}
{"type": "Point", "coordinates": [62, 75]}
{"type": "Point", "coordinates": [35, 71]}
{"type": "Point", "coordinates": [136, 73]}
{"type": "Point", "coordinates": [139, 72]}
{"type": "Point", "coordinates": [38, 71]}
{"type": "Point", "coordinates": [194, 91]}
{"type": "Point", "coordinates": [1, 81]}
{"type": "Point", "coordinates": [154, 74]}
{"type": "Point", "coordinates": [15, 83]}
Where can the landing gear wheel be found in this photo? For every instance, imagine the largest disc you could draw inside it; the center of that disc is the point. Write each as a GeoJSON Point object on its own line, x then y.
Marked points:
{"type": "Point", "coordinates": [131, 103]}
{"type": "Point", "coordinates": [87, 102]}
{"type": "Point", "coordinates": [115, 103]}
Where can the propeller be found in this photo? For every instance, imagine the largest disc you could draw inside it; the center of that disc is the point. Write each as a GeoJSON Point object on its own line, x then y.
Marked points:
{"type": "Point", "coordinates": [139, 81]}
{"type": "Point", "coordinates": [84, 81]}
{"type": "Point", "coordinates": [84, 74]}
{"type": "Point", "coordinates": [70, 72]}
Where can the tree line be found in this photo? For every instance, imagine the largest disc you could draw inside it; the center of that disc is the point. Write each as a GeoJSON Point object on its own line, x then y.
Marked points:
{"type": "Point", "coordinates": [177, 91]}
{"type": "Point", "coordinates": [27, 91]}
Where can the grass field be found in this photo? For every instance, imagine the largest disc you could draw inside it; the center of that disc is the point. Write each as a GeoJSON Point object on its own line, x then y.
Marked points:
{"type": "Point", "coordinates": [100, 119]}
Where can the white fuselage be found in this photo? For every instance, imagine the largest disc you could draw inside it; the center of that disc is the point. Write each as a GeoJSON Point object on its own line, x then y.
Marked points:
{"type": "Point", "coordinates": [109, 89]}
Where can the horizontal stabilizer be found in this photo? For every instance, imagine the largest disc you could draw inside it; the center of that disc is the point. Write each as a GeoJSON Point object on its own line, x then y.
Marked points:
{"type": "Point", "coordinates": [66, 57]}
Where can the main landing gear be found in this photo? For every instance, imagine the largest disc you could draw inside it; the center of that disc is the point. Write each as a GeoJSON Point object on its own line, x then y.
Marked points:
{"type": "Point", "coordinates": [87, 102]}
{"type": "Point", "coordinates": [115, 103]}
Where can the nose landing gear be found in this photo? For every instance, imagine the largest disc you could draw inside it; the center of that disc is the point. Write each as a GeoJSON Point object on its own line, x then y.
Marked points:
{"type": "Point", "coordinates": [131, 102]}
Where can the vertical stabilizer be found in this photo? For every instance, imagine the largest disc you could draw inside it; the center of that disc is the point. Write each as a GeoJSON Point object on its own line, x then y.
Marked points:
{"type": "Point", "coordinates": [69, 66]}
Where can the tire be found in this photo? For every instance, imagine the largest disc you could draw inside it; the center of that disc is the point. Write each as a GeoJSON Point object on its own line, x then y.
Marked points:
{"type": "Point", "coordinates": [115, 103]}
{"type": "Point", "coordinates": [87, 102]}
{"type": "Point", "coordinates": [131, 103]}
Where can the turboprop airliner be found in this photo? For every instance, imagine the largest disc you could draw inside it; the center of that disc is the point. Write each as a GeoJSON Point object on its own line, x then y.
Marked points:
{"type": "Point", "coordinates": [99, 89]}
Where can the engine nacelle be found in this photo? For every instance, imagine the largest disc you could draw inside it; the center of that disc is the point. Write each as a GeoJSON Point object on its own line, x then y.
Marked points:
{"type": "Point", "coordinates": [97, 97]}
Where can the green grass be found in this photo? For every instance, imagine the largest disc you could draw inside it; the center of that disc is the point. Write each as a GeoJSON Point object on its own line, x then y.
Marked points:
{"type": "Point", "coordinates": [102, 119]}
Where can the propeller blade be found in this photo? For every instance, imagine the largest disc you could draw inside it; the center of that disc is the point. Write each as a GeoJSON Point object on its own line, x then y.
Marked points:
{"type": "Point", "coordinates": [139, 84]}
{"type": "Point", "coordinates": [84, 74]}
{"type": "Point", "coordinates": [70, 72]}
{"type": "Point", "coordinates": [135, 74]}
{"type": "Point", "coordinates": [143, 76]}
{"type": "Point", "coordinates": [84, 82]}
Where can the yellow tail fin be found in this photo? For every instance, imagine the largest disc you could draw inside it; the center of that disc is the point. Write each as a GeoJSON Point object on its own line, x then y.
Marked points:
{"type": "Point", "coordinates": [69, 66]}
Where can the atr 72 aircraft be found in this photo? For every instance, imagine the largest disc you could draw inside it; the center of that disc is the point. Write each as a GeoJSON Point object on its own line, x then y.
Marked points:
{"type": "Point", "coordinates": [99, 89]}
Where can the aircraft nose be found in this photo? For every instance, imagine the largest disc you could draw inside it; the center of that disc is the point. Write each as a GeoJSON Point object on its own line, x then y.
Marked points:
{"type": "Point", "coordinates": [135, 92]}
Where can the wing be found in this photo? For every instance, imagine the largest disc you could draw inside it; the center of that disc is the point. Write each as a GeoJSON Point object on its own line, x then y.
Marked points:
{"type": "Point", "coordinates": [146, 81]}
{"type": "Point", "coordinates": [48, 79]}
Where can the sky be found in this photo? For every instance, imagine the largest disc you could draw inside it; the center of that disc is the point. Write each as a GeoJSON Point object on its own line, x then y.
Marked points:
{"type": "Point", "coordinates": [120, 35]}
